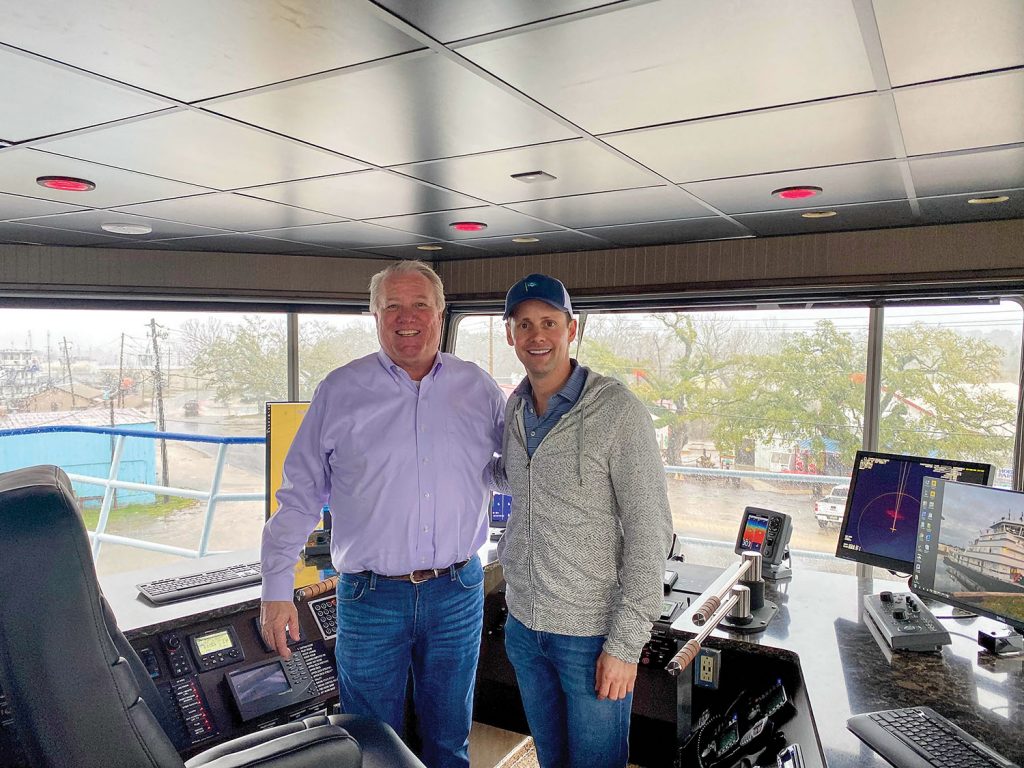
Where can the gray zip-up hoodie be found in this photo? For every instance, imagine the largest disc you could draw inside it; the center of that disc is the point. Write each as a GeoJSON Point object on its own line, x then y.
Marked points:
{"type": "Point", "coordinates": [585, 547]}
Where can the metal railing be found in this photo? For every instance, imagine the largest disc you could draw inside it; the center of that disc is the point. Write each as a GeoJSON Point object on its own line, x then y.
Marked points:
{"type": "Point", "coordinates": [111, 484]}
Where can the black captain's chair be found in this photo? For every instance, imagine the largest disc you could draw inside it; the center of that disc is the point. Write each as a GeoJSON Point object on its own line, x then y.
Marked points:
{"type": "Point", "coordinates": [81, 696]}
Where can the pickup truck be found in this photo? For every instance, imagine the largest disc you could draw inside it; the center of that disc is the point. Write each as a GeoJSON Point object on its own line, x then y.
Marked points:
{"type": "Point", "coordinates": [829, 511]}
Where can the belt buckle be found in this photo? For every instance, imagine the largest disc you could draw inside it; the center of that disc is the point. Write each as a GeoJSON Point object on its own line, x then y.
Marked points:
{"type": "Point", "coordinates": [414, 580]}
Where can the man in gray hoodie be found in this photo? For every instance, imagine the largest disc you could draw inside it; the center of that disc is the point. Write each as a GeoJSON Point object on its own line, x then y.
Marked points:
{"type": "Point", "coordinates": [585, 547]}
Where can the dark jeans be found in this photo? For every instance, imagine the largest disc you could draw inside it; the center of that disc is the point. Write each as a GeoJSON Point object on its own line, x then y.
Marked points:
{"type": "Point", "coordinates": [571, 727]}
{"type": "Point", "coordinates": [386, 627]}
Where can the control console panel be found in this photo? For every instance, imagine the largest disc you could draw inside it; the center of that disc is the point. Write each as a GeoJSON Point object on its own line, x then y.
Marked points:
{"type": "Point", "coordinates": [904, 622]}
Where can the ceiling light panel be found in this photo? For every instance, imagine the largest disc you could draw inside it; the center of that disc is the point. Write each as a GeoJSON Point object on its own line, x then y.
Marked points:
{"type": "Point", "coordinates": [639, 65]}
{"type": "Point", "coordinates": [627, 206]}
{"type": "Point", "coordinates": [413, 108]}
{"type": "Point", "coordinates": [458, 19]}
{"type": "Point", "coordinates": [195, 50]}
{"type": "Point", "coordinates": [968, 172]}
{"type": "Point", "coordinates": [40, 99]}
{"type": "Point", "coordinates": [580, 166]}
{"type": "Point", "coordinates": [20, 167]}
{"type": "Point", "coordinates": [230, 211]}
{"type": "Point", "coordinates": [364, 195]}
{"type": "Point", "coordinates": [847, 131]}
{"type": "Point", "coordinates": [863, 182]}
{"type": "Point", "coordinates": [935, 39]}
{"type": "Point", "coordinates": [436, 225]}
{"type": "Point", "coordinates": [201, 149]}
{"type": "Point", "coordinates": [959, 114]}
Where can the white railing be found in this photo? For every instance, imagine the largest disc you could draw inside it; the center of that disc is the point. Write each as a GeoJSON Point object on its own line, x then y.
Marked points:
{"type": "Point", "coordinates": [110, 484]}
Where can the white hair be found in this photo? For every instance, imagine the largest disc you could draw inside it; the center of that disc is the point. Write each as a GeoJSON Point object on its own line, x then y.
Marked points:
{"type": "Point", "coordinates": [407, 267]}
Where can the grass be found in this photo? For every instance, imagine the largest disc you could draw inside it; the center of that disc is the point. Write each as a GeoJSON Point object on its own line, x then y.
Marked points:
{"type": "Point", "coordinates": [137, 511]}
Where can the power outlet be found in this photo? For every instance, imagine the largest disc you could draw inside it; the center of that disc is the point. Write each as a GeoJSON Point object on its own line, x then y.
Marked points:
{"type": "Point", "coordinates": [707, 668]}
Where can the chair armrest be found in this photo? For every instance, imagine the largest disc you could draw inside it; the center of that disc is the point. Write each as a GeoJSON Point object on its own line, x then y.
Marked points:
{"type": "Point", "coordinates": [289, 746]}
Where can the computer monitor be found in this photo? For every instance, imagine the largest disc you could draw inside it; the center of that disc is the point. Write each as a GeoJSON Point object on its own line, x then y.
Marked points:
{"type": "Point", "coordinates": [970, 549]}
{"type": "Point", "coordinates": [501, 508]}
{"type": "Point", "coordinates": [882, 508]}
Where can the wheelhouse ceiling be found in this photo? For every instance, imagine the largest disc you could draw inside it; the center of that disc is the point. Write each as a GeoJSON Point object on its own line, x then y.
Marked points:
{"type": "Point", "coordinates": [366, 129]}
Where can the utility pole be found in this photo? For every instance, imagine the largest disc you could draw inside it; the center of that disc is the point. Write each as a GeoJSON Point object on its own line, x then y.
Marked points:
{"type": "Point", "coordinates": [159, 397]}
{"type": "Point", "coordinates": [49, 376]}
{"type": "Point", "coordinates": [71, 381]}
{"type": "Point", "coordinates": [120, 375]}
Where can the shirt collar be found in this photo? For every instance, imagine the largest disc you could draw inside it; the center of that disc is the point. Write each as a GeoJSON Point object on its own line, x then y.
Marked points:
{"type": "Point", "coordinates": [398, 373]}
{"type": "Point", "coordinates": [525, 390]}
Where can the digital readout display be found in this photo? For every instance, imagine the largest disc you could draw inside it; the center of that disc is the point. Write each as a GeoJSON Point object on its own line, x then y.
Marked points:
{"type": "Point", "coordinates": [213, 642]}
{"type": "Point", "coordinates": [754, 532]}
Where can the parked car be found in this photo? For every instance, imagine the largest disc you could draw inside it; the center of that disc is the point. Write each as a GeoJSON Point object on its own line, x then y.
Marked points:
{"type": "Point", "coordinates": [191, 407]}
{"type": "Point", "coordinates": [829, 511]}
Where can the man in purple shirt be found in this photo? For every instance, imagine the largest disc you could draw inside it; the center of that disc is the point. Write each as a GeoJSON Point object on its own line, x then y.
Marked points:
{"type": "Point", "coordinates": [396, 443]}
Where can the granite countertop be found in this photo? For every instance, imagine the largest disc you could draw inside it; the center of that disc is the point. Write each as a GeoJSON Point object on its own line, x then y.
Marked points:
{"type": "Point", "coordinates": [847, 671]}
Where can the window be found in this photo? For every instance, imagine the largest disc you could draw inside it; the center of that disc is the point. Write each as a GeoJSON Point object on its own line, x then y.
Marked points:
{"type": "Point", "coordinates": [329, 341]}
{"type": "Point", "coordinates": [142, 371]}
{"type": "Point", "coordinates": [766, 407]}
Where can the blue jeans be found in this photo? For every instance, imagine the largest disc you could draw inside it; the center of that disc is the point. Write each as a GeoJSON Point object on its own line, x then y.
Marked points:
{"type": "Point", "coordinates": [571, 727]}
{"type": "Point", "coordinates": [386, 627]}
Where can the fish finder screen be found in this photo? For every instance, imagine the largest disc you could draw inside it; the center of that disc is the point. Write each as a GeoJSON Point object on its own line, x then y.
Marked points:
{"type": "Point", "coordinates": [753, 533]}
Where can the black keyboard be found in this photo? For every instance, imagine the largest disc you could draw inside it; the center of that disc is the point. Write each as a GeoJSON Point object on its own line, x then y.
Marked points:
{"type": "Point", "coordinates": [200, 584]}
{"type": "Point", "coordinates": [919, 737]}
{"type": "Point", "coordinates": [325, 611]}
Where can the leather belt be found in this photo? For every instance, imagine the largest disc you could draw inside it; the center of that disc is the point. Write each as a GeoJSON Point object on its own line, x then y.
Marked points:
{"type": "Point", "coordinates": [425, 574]}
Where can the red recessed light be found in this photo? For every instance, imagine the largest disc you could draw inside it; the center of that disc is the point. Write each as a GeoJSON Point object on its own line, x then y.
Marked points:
{"type": "Point", "coordinates": [467, 226]}
{"type": "Point", "coordinates": [796, 193]}
{"type": "Point", "coordinates": [66, 183]}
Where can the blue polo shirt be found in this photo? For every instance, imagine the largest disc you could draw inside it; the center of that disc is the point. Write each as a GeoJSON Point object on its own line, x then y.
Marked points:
{"type": "Point", "coordinates": [536, 426]}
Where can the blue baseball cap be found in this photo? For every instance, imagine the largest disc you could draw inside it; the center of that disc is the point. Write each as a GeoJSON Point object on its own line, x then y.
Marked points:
{"type": "Point", "coordinates": [541, 288]}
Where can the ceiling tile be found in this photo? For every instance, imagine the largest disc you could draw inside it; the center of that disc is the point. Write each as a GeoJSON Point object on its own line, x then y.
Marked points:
{"type": "Point", "coordinates": [459, 19]}
{"type": "Point", "coordinates": [499, 221]}
{"type": "Point", "coordinates": [831, 133]}
{"type": "Point", "coordinates": [40, 99]}
{"type": "Point", "coordinates": [666, 232]}
{"type": "Point", "coordinates": [194, 49]}
{"type": "Point", "coordinates": [895, 213]}
{"type": "Point", "coordinates": [364, 195]}
{"type": "Point", "coordinates": [864, 182]}
{"type": "Point", "coordinates": [953, 208]}
{"type": "Point", "coordinates": [934, 39]}
{"type": "Point", "coordinates": [547, 242]}
{"type": "Point", "coordinates": [448, 251]}
{"type": "Point", "coordinates": [92, 221]}
{"type": "Point", "coordinates": [578, 167]}
{"type": "Point", "coordinates": [201, 149]}
{"type": "Point", "coordinates": [236, 243]}
{"type": "Point", "coordinates": [626, 206]}
{"type": "Point", "coordinates": [667, 61]}
{"type": "Point", "coordinates": [347, 234]}
{"type": "Point", "coordinates": [978, 112]}
{"type": "Point", "coordinates": [17, 207]}
{"type": "Point", "coordinates": [417, 107]}
{"type": "Point", "coordinates": [229, 210]}
{"type": "Point", "coordinates": [15, 232]}
{"type": "Point", "coordinates": [968, 172]}
{"type": "Point", "coordinates": [19, 169]}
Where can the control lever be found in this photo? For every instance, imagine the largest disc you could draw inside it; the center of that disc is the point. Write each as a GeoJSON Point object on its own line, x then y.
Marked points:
{"type": "Point", "coordinates": [738, 596]}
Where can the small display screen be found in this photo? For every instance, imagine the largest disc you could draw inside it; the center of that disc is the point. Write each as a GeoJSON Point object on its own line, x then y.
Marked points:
{"type": "Point", "coordinates": [260, 683]}
{"type": "Point", "coordinates": [501, 508]}
{"type": "Point", "coordinates": [213, 642]}
{"type": "Point", "coordinates": [753, 533]}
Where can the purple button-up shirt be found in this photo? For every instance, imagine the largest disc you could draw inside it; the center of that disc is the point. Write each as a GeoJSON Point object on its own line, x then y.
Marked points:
{"type": "Point", "coordinates": [401, 466]}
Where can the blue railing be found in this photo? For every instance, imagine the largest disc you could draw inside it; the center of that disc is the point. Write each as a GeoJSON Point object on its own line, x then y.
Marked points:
{"type": "Point", "coordinates": [111, 483]}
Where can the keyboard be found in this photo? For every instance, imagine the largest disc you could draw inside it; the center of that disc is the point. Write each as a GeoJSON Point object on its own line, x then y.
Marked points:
{"type": "Point", "coordinates": [200, 584]}
{"type": "Point", "coordinates": [919, 737]}
{"type": "Point", "coordinates": [325, 611]}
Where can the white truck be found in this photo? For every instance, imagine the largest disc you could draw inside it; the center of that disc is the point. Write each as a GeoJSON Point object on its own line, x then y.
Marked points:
{"type": "Point", "coordinates": [829, 510]}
